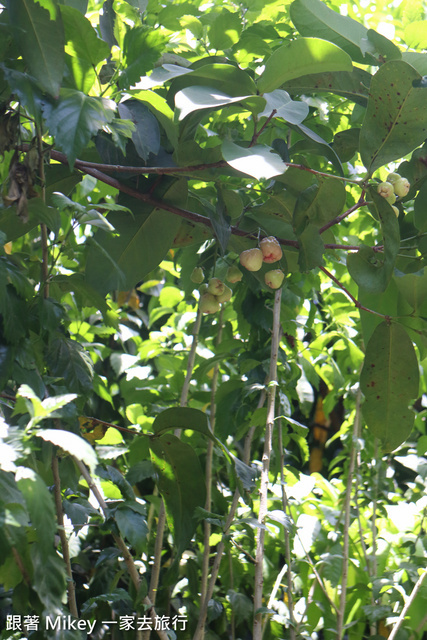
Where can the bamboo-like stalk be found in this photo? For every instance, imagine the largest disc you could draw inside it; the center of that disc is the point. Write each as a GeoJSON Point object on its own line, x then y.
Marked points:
{"type": "Point", "coordinates": [408, 603]}
{"type": "Point", "coordinates": [263, 507]}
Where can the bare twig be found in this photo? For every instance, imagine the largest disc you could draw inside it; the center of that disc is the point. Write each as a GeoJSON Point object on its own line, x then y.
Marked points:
{"type": "Point", "coordinates": [208, 467]}
{"type": "Point", "coordinates": [266, 123]}
{"type": "Point", "coordinates": [263, 507]}
{"type": "Point", "coordinates": [133, 572]}
{"type": "Point", "coordinates": [347, 507]}
{"type": "Point", "coordinates": [408, 603]}
{"type": "Point", "coordinates": [344, 215]}
{"type": "Point", "coordinates": [351, 296]}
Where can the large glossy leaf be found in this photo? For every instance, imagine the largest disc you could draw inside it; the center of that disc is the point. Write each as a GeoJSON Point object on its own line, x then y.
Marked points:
{"type": "Point", "coordinates": [195, 98]}
{"type": "Point", "coordinates": [75, 118]}
{"type": "Point", "coordinates": [225, 77]}
{"type": "Point", "coordinates": [396, 120]}
{"type": "Point", "coordinates": [83, 46]}
{"type": "Point", "coordinates": [258, 161]}
{"type": "Point", "coordinates": [181, 484]}
{"type": "Point", "coordinates": [119, 262]}
{"type": "Point", "coordinates": [72, 444]}
{"type": "Point", "coordinates": [225, 30]}
{"type": "Point", "coordinates": [146, 136]}
{"type": "Point", "coordinates": [372, 270]}
{"type": "Point", "coordinates": [40, 506]}
{"type": "Point", "coordinates": [40, 37]}
{"type": "Point", "coordinates": [294, 111]}
{"type": "Point", "coordinates": [299, 58]}
{"type": "Point", "coordinates": [311, 248]}
{"type": "Point", "coordinates": [159, 107]}
{"type": "Point", "coordinates": [314, 18]}
{"type": "Point", "coordinates": [319, 204]}
{"type": "Point", "coordinates": [67, 359]}
{"type": "Point", "coordinates": [389, 381]}
{"type": "Point", "coordinates": [181, 418]}
{"type": "Point", "coordinates": [354, 85]}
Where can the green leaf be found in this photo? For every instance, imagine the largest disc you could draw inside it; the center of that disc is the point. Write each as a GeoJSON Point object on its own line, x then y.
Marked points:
{"type": "Point", "coordinates": [114, 475]}
{"type": "Point", "coordinates": [389, 381]}
{"type": "Point", "coordinates": [181, 484]}
{"type": "Point", "coordinates": [142, 47]}
{"type": "Point", "coordinates": [382, 47]}
{"type": "Point", "coordinates": [293, 111]}
{"type": "Point", "coordinates": [370, 269]}
{"type": "Point", "coordinates": [40, 37]}
{"type": "Point", "coordinates": [225, 30]}
{"type": "Point", "coordinates": [75, 118]}
{"type": "Point", "coordinates": [258, 161]}
{"type": "Point", "coordinates": [395, 121]}
{"type": "Point", "coordinates": [413, 287]}
{"type": "Point", "coordinates": [319, 203]}
{"type": "Point", "coordinates": [159, 107]}
{"type": "Point", "coordinates": [162, 74]}
{"type": "Point", "coordinates": [72, 444]}
{"type": "Point", "coordinates": [68, 360]}
{"type": "Point", "coordinates": [182, 418]}
{"type": "Point", "coordinates": [420, 212]}
{"type": "Point", "coordinates": [195, 98]}
{"type": "Point", "coordinates": [311, 248]}
{"type": "Point", "coordinates": [354, 85]}
{"type": "Point", "coordinates": [132, 525]}
{"type": "Point", "coordinates": [49, 577]}
{"type": "Point", "coordinates": [226, 78]}
{"type": "Point", "coordinates": [145, 238]}
{"type": "Point", "coordinates": [314, 18]}
{"type": "Point", "coordinates": [83, 46]}
{"type": "Point", "coordinates": [146, 136]}
{"type": "Point", "coordinates": [300, 57]}
{"type": "Point", "coordinates": [40, 506]}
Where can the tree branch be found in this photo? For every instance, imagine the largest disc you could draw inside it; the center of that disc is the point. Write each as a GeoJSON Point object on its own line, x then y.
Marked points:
{"type": "Point", "coordinates": [344, 215]}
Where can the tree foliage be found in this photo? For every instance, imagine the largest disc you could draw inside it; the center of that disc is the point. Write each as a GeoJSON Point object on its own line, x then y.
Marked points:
{"type": "Point", "coordinates": [254, 472]}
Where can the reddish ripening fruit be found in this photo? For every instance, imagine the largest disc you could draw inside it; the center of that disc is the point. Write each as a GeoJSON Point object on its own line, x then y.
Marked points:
{"type": "Point", "coordinates": [385, 189]}
{"type": "Point", "coordinates": [216, 286]}
{"type": "Point", "coordinates": [197, 275]}
{"type": "Point", "coordinates": [274, 278]}
{"type": "Point", "coordinates": [233, 274]}
{"type": "Point", "coordinates": [271, 249]}
{"type": "Point", "coordinates": [209, 303]}
{"type": "Point", "coordinates": [251, 259]}
{"type": "Point", "coordinates": [401, 187]}
{"type": "Point", "coordinates": [225, 296]}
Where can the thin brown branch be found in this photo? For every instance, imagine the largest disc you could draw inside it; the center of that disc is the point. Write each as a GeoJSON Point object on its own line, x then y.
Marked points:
{"type": "Point", "coordinates": [361, 202]}
{"type": "Point", "coordinates": [347, 508]}
{"type": "Point", "coordinates": [266, 123]}
{"type": "Point", "coordinates": [130, 564]}
{"type": "Point", "coordinates": [351, 296]}
{"type": "Point", "coordinates": [263, 491]}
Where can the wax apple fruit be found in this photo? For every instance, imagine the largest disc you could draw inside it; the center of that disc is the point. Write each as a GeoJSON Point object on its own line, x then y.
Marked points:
{"type": "Point", "coordinates": [209, 303]}
{"type": "Point", "coordinates": [225, 296]}
{"type": "Point", "coordinates": [271, 249]}
{"type": "Point", "coordinates": [401, 187]}
{"type": "Point", "coordinates": [233, 274]}
{"type": "Point", "coordinates": [274, 278]}
{"type": "Point", "coordinates": [251, 259]}
{"type": "Point", "coordinates": [197, 275]}
{"type": "Point", "coordinates": [216, 286]}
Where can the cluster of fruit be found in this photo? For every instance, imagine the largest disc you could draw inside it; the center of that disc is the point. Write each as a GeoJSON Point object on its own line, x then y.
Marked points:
{"type": "Point", "coordinates": [215, 292]}
{"type": "Point", "coordinates": [269, 251]}
{"type": "Point", "coordinates": [394, 187]}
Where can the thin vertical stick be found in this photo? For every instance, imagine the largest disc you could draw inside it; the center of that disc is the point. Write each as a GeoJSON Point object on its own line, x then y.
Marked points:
{"type": "Point", "coordinates": [408, 603]}
{"type": "Point", "coordinates": [347, 506]}
{"type": "Point", "coordinates": [271, 408]}
{"type": "Point", "coordinates": [209, 460]}
{"type": "Point", "coordinates": [71, 590]}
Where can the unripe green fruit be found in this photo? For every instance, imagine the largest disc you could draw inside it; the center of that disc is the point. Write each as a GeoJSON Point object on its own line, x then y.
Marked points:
{"type": "Point", "coordinates": [271, 249]}
{"type": "Point", "coordinates": [216, 286]}
{"type": "Point", "coordinates": [401, 187]}
{"type": "Point", "coordinates": [274, 278]}
{"type": "Point", "coordinates": [396, 211]}
{"type": "Point", "coordinates": [251, 259]}
{"type": "Point", "coordinates": [197, 275]}
{"type": "Point", "coordinates": [393, 177]}
{"type": "Point", "coordinates": [208, 303]}
{"type": "Point", "coordinates": [391, 199]}
{"type": "Point", "coordinates": [225, 296]}
{"type": "Point", "coordinates": [385, 189]}
{"type": "Point", "coordinates": [233, 274]}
